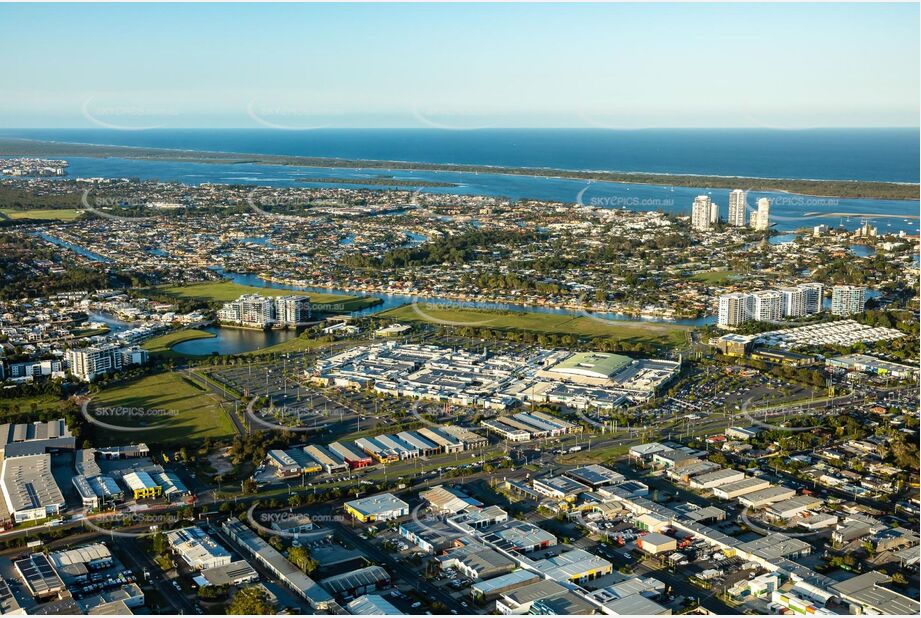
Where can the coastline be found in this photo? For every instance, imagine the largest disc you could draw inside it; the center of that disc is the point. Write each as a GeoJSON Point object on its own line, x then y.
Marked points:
{"type": "Point", "coordinates": [856, 189]}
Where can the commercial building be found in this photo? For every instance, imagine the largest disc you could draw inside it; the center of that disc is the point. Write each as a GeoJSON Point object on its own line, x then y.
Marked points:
{"type": "Point", "coordinates": [20, 439]}
{"type": "Point", "coordinates": [870, 364]}
{"type": "Point", "coordinates": [519, 600]}
{"type": "Point", "coordinates": [382, 507]}
{"type": "Point", "coordinates": [372, 605]}
{"type": "Point", "coordinates": [350, 455]}
{"type": "Point", "coordinates": [848, 299]}
{"type": "Point", "coordinates": [489, 589]}
{"type": "Point", "coordinates": [443, 499]}
{"type": "Point", "coordinates": [737, 207]}
{"type": "Point", "coordinates": [715, 479]}
{"type": "Point", "coordinates": [655, 543]}
{"type": "Point", "coordinates": [197, 549]}
{"type": "Point", "coordinates": [278, 565]}
{"type": "Point", "coordinates": [330, 462]}
{"type": "Point", "coordinates": [595, 476]}
{"type": "Point", "coordinates": [740, 488]}
{"type": "Point", "coordinates": [477, 561]}
{"type": "Point", "coordinates": [40, 576]}
{"type": "Point", "coordinates": [576, 566]}
{"type": "Point", "coordinates": [358, 582]}
{"type": "Point", "coordinates": [29, 489]}
{"type": "Point", "coordinates": [234, 573]}
{"type": "Point", "coordinates": [865, 594]}
{"type": "Point", "coordinates": [791, 507]}
{"type": "Point", "coordinates": [141, 485]}
{"type": "Point", "coordinates": [766, 496]}
{"type": "Point", "coordinates": [559, 487]}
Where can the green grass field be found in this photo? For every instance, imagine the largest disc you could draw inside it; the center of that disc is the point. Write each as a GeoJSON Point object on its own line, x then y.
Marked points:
{"type": "Point", "coordinates": [193, 413]}
{"type": "Point", "coordinates": [163, 344]}
{"type": "Point", "coordinates": [61, 214]}
{"type": "Point", "coordinates": [31, 405]}
{"type": "Point", "coordinates": [715, 276]}
{"type": "Point", "coordinates": [634, 332]}
{"type": "Point", "coordinates": [297, 344]}
{"type": "Point", "coordinates": [224, 291]}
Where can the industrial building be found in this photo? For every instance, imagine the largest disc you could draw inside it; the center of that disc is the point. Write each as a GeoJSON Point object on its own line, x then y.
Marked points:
{"type": "Point", "coordinates": [382, 507]}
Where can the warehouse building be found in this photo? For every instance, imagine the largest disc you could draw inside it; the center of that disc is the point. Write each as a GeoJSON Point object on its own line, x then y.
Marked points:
{"type": "Point", "coordinates": [443, 499]}
{"type": "Point", "coordinates": [382, 507]}
{"type": "Point", "coordinates": [351, 455]}
{"type": "Point", "coordinates": [372, 605]}
{"type": "Point", "coordinates": [740, 488]}
{"type": "Point", "coordinates": [234, 573]}
{"type": "Point", "coordinates": [29, 489]}
{"type": "Point", "coordinates": [141, 485]}
{"type": "Point", "coordinates": [655, 543]}
{"type": "Point", "coordinates": [330, 462]}
{"type": "Point", "coordinates": [491, 588]}
{"type": "Point", "coordinates": [559, 487]}
{"type": "Point", "coordinates": [764, 497]}
{"type": "Point", "coordinates": [712, 480]}
{"type": "Point", "coordinates": [358, 582]}
{"type": "Point", "coordinates": [576, 566]}
{"type": "Point", "coordinates": [595, 476]}
{"type": "Point", "coordinates": [447, 442]}
{"type": "Point", "coordinates": [520, 600]}
{"type": "Point", "coordinates": [197, 549]}
{"type": "Point", "coordinates": [278, 565]}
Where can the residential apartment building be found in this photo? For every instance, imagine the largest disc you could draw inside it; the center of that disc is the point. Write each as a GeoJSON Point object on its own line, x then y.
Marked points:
{"type": "Point", "coordinates": [847, 299]}
{"type": "Point", "coordinates": [761, 218]}
{"type": "Point", "coordinates": [735, 309]}
{"type": "Point", "coordinates": [704, 213]}
{"type": "Point", "coordinates": [261, 311]}
{"type": "Point", "coordinates": [89, 363]}
{"type": "Point", "coordinates": [768, 306]}
{"type": "Point", "coordinates": [737, 207]}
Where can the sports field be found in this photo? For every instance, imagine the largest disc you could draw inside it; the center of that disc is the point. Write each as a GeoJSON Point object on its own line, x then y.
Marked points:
{"type": "Point", "coordinates": [225, 291]}
{"type": "Point", "coordinates": [175, 410]}
{"type": "Point", "coordinates": [633, 332]}
{"type": "Point", "coordinates": [50, 214]}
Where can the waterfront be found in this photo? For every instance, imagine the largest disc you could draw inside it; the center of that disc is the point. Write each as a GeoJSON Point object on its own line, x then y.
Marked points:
{"type": "Point", "coordinates": [391, 301]}
{"type": "Point", "coordinates": [228, 341]}
{"type": "Point", "coordinates": [789, 211]}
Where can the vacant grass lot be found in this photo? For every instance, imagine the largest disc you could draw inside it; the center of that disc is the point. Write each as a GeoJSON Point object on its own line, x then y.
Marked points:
{"type": "Point", "coordinates": [634, 332]}
{"type": "Point", "coordinates": [57, 214]}
{"type": "Point", "coordinates": [192, 413]}
{"type": "Point", "coordinates": [715, 277]}
{"type": "Point", "coordinates": [224, 291]}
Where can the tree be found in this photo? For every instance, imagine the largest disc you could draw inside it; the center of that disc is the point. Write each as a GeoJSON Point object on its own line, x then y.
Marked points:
{"type": "Point", "coordinates": [302, 559]}
{"type": "Point", "coordinates": [251, 601]}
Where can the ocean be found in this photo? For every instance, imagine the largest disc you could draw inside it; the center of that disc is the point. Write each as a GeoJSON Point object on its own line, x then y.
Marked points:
{"type": "Point", "coordinates": [832, 154]}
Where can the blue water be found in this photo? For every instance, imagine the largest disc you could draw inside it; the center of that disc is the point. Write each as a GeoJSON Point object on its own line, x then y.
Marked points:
{"type": "Point", "coordinates": [75, 248]}
{"type": "Point", "coordinates": [391, 301]}
{"type": "Point", "coordinates": [855, 154]}
{"type": "Point", "coordinates": [232, 341]}
{"type": "Point", "coordinates": [789, 212]}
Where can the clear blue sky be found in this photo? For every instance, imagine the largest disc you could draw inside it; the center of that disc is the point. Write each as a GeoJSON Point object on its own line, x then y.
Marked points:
{"type": "Point", "coordinates": [417, 65]}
